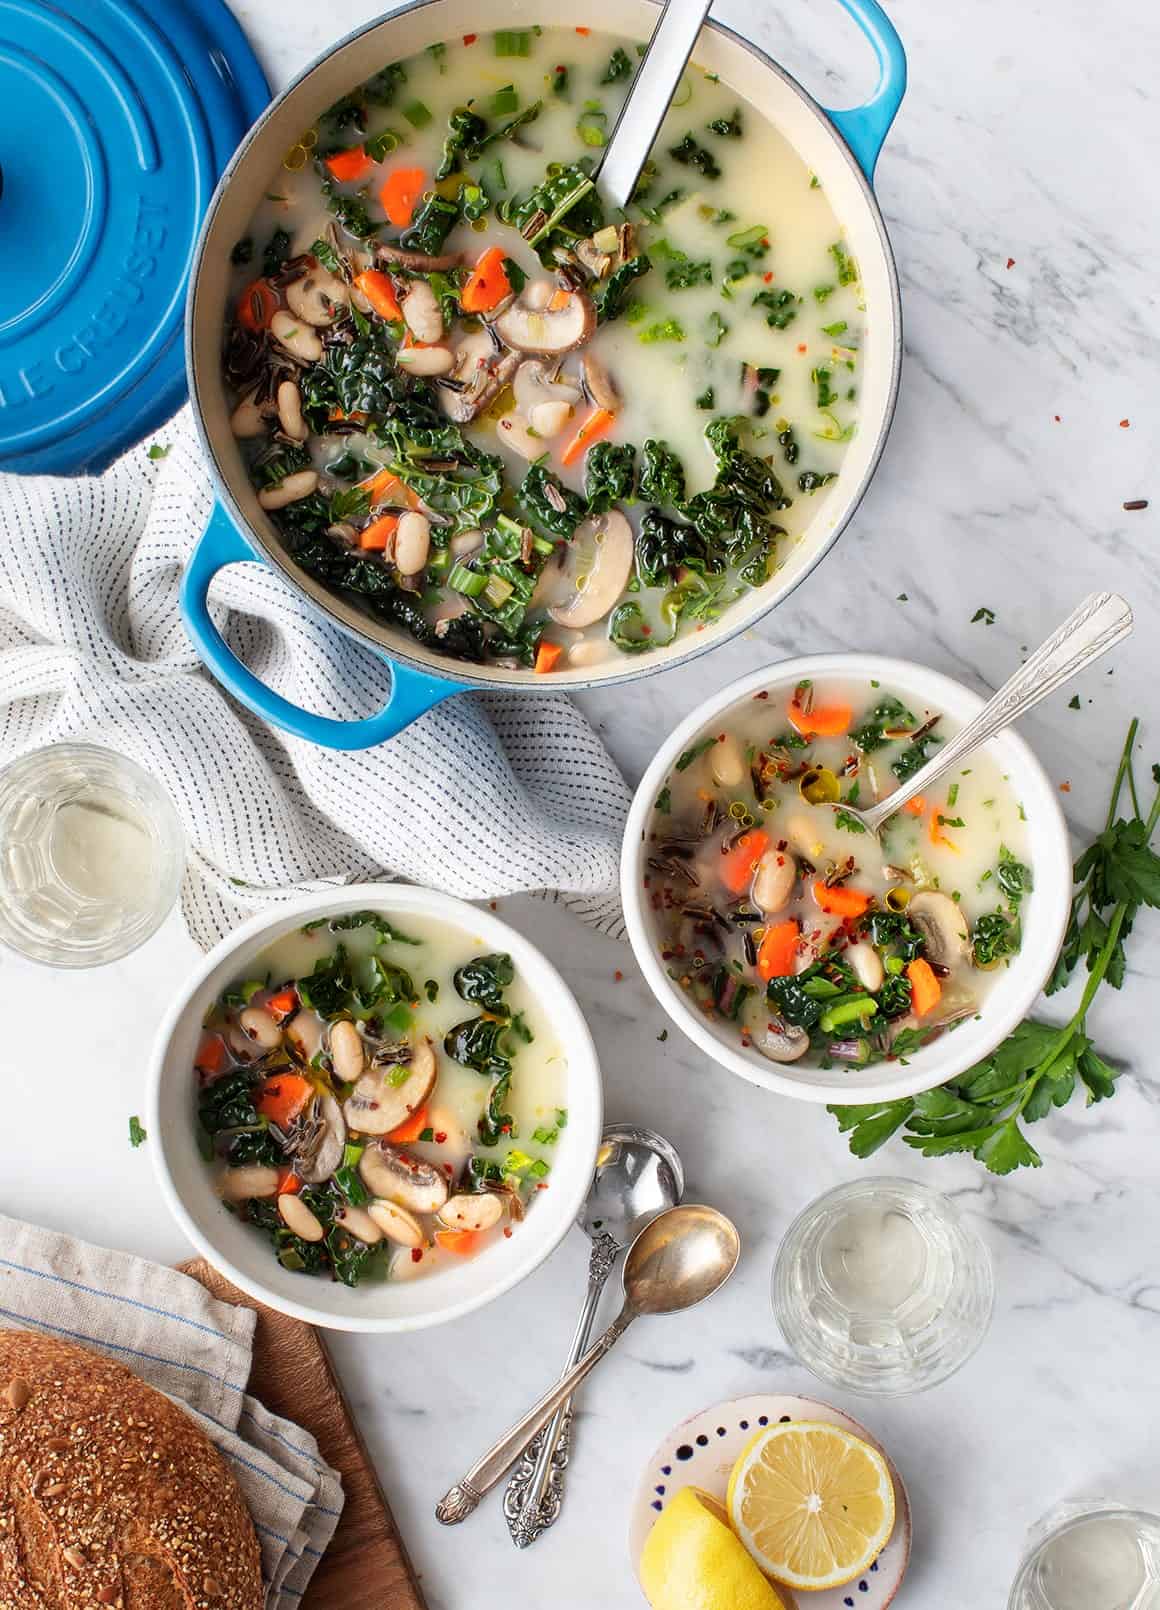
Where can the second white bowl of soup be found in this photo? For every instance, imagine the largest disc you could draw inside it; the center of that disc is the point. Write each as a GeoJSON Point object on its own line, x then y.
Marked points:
{"type": "Point", "coordinates": [377, 1108]}
{"type": "Point", "coordinates": [792, 946]}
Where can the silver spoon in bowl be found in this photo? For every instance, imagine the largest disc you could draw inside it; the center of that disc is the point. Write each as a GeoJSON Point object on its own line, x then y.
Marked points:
{"type": "Point", "coordinates": [638, 1175]}
{"type": "Point", "coordinates": [1100, 622]}
{"type": "Point", "coordinates": [683, 1256]}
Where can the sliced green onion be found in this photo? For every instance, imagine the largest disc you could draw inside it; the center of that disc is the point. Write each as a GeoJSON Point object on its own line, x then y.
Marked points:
{"type": "Point", "coordinates": [497, 591]}
{"type": "Point", "coordinates": [418, 114]}
{"type": "Point", "coordinates": [505, 100]}
{"type": "Point", "coordinates": [591, 125]}
{"type": "Point", "coordinates": [468, 582]}
{"type": "Point", "coordinates": [399, 1019]}
{"type": "Point", "coordinates": [513, 42]}
{"type": "Point", "coordinates": [744, 238]}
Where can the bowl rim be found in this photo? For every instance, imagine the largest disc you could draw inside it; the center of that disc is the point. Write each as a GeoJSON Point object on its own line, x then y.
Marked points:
{"type": "Point", "coordinates": [585, 1097]}
{"type": "Point", "coordinates": [393, 645]}
{"type": "Point", "coordinates": [931, 1065]}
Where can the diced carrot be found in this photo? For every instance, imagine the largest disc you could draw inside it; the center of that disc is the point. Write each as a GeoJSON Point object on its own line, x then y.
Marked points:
{"type": "Point", "coordinates": [380, 293]}
{"type": "Point", "coordinates": [487, 284]}
{"type": "Point", "coordinates": [937, 836]}
{"type": "Point", "coordinates": [823, 721]}
{"type": "Point", "coordinates": [376, 537]}
{"type": "Point", "coordinates": [288, 1183]}
{"type": "Point", "coordinates": [399, 193]}
{"type": "Point", "coordinates": [462, 1242]}
{"type": "Point", "coordinates": [560, 300]}
{"type": "Point", "coordinates": [282, 1004]}
{"type": "Point", "coordinates": [410, 1129]}
{"type": "Point", "coordinates": [357, 415]}
{"type": "Point", "coordinates": [349, 166]}
{"type": "Point", "coordinates": [598, 423]}
{"type": "Point", "coordinates": [211, 1054]}
{"type": "Point", "coordinates": [282, 1097]}
{"type": "Point", "coordinates": [776, 952]}
{"type": "Point", "coordinates": [925, 989]}
{"type": "Point", "coordinates": [257, 305]}
{"type": "Point", "coordinates": [838, 901]}
{"type": "Point", "coordinates": [915, 806]}
{"type": "Point", "coordinates": [739, 860]}
{"type": "Point", "coordinates": [548, 655]}
{"type": "Point", "coordinates": [584, 31]}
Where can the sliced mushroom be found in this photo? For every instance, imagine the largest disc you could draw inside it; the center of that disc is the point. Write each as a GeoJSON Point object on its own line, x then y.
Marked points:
{"type": "Point", "coordinates": [527, 328]}
{"type": "Point", "coordinates": [298, 1218]}
{"type": "Point", "coordinates": [426, 361]}
{"type": "Point", "coordinates": [421, 262]}
{"type": "Point", "coordinates": [297, 337]}
{"type": "Point", "coordinates": [258, 1025]}
{"type": "Point", "coordinates": [478, 375]}
{"type": "Point", "coordinates": [378, 1104]}
{"type": "Point", "coordinates": [346, 1050]}
{"type": "Point", "coordinates": [942, 926]}
{"type": "Point", "coordinates": [726, 762]}
{"type": "Point", "coordinates": [464, 543]}
{"type": "Point", "coordinates": [598, 383]}
{"type": "Point", "coordinates": [535, 383]}
{"type": "Point", "coordinates": [777, 872]}
{"type": "Point", "coordinates": [602, 544]}
{"type": "Point", "coordinates": [412, 543]}
{"type": "Point", "coordinates": [323, 1141]}
{"type": "Point", "coordinates": [781, 1041]}
{"type": "Point", "coordinates": [290, 411]}
{"type": "Point", "coordinates": [304, 1033]}
{"type": "Point", "coordinates": [254, 1180]}
{"type": "Point", "coordinates": [398, 1177]}
{"type": "Point", "coordinates": [396, 1223]}
{"type": "Point", "coordinates": [421, 312]}
{"type": "Point", "coordinates": [249, 418]}
{"type": "Point", "coordinates": [867, 965]}
{"type": "Point", "coordinates": [472, 1210]}
{"type": "Point", "coordinates": [290, 490]}
{"type": "Point", "coordinates": [317, 297]}
{"type": "Point", "coordinates": [359, 1223]}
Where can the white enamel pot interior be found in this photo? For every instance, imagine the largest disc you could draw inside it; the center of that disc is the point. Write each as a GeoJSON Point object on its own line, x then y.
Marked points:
{"type": "Point", "coordinates": [1014, 988]}
{"type": "Point", "coordinates": [769, 91]}
{"type": "Point", "coordinates": [244, 1255]}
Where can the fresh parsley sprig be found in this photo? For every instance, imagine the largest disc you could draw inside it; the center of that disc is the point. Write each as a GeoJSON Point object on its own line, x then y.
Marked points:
{"type": "Point", "coordinates": [1038, 1065]}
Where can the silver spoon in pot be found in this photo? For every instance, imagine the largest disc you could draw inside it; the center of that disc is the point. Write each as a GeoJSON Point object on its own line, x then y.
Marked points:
{"type": "Point", "coordinates": [682, 1257]}
{"type": "Point", "coordinates": [653, 87]}
{"type": "Point", "coordinates": [1100, 622]}
{"type": "Point", "coordinates": [638, 1175]}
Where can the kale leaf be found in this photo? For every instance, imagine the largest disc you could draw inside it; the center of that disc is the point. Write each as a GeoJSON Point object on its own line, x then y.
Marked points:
{"type": "Point", "coordinates": [547, 503]}
{"type": "Point", "coordinates": [662, 475]}
{"type": "Point", "coordinates": [611, 295]}
{"type": "Point", "coordinates": [609, 474]}
{"type": "Point", "coordinates": [484, 979]}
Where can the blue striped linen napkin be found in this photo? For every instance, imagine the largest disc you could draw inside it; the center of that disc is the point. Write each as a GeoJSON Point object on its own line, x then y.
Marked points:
{"type": "Point", "coordinates": [168, 1330]}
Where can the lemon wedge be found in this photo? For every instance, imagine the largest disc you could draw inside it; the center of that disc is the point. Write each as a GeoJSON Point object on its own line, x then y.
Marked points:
{"type": "Point", "coordinates": [692, 1561]}
{"type": "Point", "coordinates": [812, 1504]}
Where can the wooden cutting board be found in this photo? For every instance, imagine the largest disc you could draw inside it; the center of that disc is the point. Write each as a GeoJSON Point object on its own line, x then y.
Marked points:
{"type": "Point", "coordinates": [366, 1566]}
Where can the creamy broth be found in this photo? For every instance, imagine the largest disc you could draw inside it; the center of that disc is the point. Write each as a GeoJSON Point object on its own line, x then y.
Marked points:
{"type": "Point", "coordinates": [776, 911]}
{"type": "Point", "coordinates": [335, 1077]}
{"type": "Point", "coordinates": [749, 321]}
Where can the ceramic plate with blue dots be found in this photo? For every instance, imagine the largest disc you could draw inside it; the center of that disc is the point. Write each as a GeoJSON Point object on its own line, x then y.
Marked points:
{"type": "Point", "coordinates": [701, 1452]}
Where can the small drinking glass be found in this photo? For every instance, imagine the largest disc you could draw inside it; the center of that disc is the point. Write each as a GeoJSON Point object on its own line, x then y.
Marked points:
{"type": "Point", "coordinates": [1091, 1556]}
{"type": "Point", "coordinates": [881, 1287]}
{"type": "Point", "coordinates": [91, 855]}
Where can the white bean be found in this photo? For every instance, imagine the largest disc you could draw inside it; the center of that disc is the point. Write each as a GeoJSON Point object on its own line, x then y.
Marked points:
{"type": "Point", "coordinates": [726, 762]}
{"type": "Point", "coordinates": [240, 1184]}
{"type": "Point", "coordinates": [591, 651]}
{"type": "Point", "coordinates": [422, 313]}
{"type": "Point", "coordinates": [296, 336]}
{"type": "Point", "coordinates": [292, 490]}
{"type": "Point", "coordinates": [776, 875]}
{"type": "Point", "coordinates": [412, 543]}
{"type": "Point", "coordinates": [473, 1210]}
{"type": "Point", "coordinates": [426, 360]}
{"type": "Point", "coordinates": [867, 964]}
{"type": "Point", "coordinates": [296, 1216]}
{"type": "Point", "coordinates": [360, 1224]}
{"type": "Point", "coordinates": [346, 1051]}
{"type": "Point", "coordinates": [257, 1024]}
{"type": "Point", "coordinates": [290, 412]}
{"type": "Point", "coordinates": [513, 429]}
{"type": "Point", "coordinates": [247, 419]}
{"type": "Point", "coordinates": [396, 1223]}
{"type": "Point", "coordinates": [548, 419]}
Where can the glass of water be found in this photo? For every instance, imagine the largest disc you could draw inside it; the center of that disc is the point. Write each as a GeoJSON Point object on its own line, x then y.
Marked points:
{"type": "Point", "coordinates": [881, 1287]}
{"type": "Point", "coordinates": [1091, 1556]}
{"type": "Point", "coordinates": [91, 855]}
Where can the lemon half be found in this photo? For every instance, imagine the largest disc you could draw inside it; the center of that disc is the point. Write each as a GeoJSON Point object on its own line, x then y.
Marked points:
{"type": "Point", "coordinates": [813, 1504]}
{"type": "Point", "coordinates": [692, 1561]}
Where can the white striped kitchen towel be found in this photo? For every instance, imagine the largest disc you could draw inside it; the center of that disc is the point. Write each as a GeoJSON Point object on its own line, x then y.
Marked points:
{"type": "Point", "coordinates": [487, 794]}
{"type": "Point", "coordinates": [167, 1329]}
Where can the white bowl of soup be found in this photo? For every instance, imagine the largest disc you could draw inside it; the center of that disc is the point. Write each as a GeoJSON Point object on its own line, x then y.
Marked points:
{"type": "Point", "coordinates": [795, 948]}
{"type": "Point", "coordinates": [496, 430]}
{"type": "Point", "coordinates": [376, 1108]}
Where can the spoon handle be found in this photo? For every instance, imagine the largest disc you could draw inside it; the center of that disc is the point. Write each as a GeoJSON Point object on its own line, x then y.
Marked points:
{"type": "Point", "coordinates": [653, 88]}
{"type": "Point", "coordinates": [536, 1490]}
{"type": "Point", "coordinates": [461, 1500]}
{"type": "Point", "coordinates": [1100, 622]}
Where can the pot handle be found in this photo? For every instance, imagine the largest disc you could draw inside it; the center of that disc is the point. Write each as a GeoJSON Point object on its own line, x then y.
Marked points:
{"type": "Point", "coordinates": [221, 543]}
{"type": "Point", "coordinates": [864, 128]}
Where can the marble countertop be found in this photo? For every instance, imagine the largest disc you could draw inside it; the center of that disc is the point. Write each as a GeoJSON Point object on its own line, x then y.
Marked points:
{"type": "Point", "coordinates": [1027, 418]}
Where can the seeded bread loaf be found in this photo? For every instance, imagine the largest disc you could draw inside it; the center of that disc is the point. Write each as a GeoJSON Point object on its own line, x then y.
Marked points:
{"type": "Point", "coordinates": [109, 1494]}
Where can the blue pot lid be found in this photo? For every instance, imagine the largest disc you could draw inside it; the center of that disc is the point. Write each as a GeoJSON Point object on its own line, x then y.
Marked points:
{"type": "Point", "coordinates": [116, 120]}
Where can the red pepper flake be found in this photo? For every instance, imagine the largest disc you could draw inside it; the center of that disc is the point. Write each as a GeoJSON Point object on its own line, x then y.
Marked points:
{"type": "Point", "coordinates": [493, 904]}
{"type": "Point", "coordinates": [801, 346]}
{"type": "Point", "coordinates": [1010, 262]}
{"type": "Point", "coordinates": [1125, 424]}
{"type": "Point", "coordinates": [416, 1254]}
{"type": "Point", "coordinates": [507, 1230]}
{"type": "Point", "coordinates": [584, 31]}
{"type": "Point", "coordinates": [1056, 417]}
{"type": "Point", "coordinates": [1065, 788]}
{"type": "Point", "coordinates": [764, 694]}
{"type": "Point", "coordinates": [469, 39]}
{"type": "Point", "coordinates": [619, 976]}
{"type": "Point", "coordinates": [541, 1185]}
{"type": "Point", "coordinates": [768, 277]}
{"type": "Point", "coordinates": [440, 1136]}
